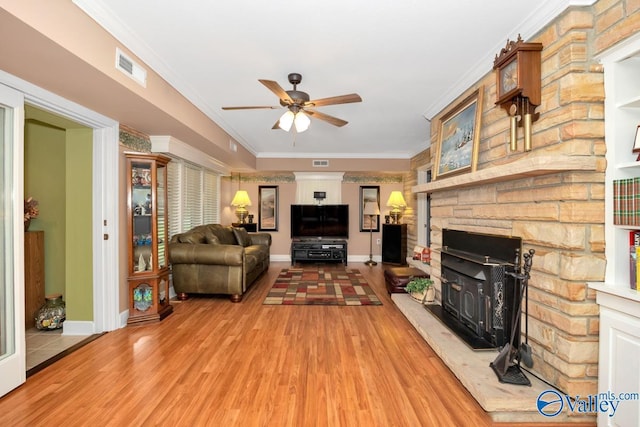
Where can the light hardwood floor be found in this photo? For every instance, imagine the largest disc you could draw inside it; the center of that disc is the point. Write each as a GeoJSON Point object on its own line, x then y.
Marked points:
{"type": "Point", "coordinates": [216, 363]}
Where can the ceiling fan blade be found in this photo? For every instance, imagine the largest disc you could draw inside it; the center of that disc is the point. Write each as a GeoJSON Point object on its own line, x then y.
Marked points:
{"type": "Point", "coordinates": [271, 107]}
{"type": "Point", "coordinates": [277, 89]}
{"type": "Point", "coordinates": [277, 125]}
{"type": "Point", "coordinates": [327, 118]}
{"type": "Point", "coordinates": [342, 99]}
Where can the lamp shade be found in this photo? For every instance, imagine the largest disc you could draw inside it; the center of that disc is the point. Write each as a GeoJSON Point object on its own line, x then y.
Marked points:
{"type": "Point", "coordinates": [371, 208]}
{"type": "Point", "coordinates": [286, 120]}
{"type": "Point", "coordinates": [396, 200]}
{"type": "Point", "coordinates": [299, 119]}
{"type": "Point", "coordinates": [241, 199]}
{"type": "Point", "coordinates": [302, 122]}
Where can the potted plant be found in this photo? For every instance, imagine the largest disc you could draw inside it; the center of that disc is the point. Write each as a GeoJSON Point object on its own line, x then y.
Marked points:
{"type": "Point", "coordinates": [421, 289]}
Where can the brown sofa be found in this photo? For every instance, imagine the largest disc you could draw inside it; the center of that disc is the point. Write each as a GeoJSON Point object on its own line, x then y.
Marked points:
{"type": "Point", "coordinates": [217, 259]}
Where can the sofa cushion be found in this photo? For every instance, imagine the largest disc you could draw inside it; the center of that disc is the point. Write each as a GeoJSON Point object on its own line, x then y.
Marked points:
{"type": "Point", "coordinates": [242, 236]}
{"type": "Point", "coordinates": [193, 238]}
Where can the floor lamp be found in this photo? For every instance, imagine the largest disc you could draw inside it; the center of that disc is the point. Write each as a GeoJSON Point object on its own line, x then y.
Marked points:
{"type": "Point", "coordinates": [371, 209]}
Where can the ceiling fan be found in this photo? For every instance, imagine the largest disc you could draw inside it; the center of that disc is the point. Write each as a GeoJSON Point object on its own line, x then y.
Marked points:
{"type": "Point", "coordinates": [300, 106]}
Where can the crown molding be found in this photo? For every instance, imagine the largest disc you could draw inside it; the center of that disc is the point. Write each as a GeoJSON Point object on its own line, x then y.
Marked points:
{"type": "Point", "coordinates": [174, 147]}
{"type": "Point", "coordinates": [527, 28]}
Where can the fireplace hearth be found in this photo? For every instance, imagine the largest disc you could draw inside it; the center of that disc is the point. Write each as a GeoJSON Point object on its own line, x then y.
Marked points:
{"type": "Point", "coordinates": [479, 296]}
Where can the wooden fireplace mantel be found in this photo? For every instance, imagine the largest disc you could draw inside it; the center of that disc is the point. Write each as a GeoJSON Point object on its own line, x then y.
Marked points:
{"type": "Point", "coordinates": [526, 167]}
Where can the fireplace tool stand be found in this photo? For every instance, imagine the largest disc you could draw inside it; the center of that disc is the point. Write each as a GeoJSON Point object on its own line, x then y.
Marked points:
{"type": "Point", "coordinates": [507, 364]}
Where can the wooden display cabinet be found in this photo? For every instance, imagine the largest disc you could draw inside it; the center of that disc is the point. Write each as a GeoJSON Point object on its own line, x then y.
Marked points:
{"type": "Point", "coordinates": [148, 234]}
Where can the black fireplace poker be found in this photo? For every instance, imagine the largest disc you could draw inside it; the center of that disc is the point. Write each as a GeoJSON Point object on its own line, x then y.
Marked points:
{"type": "Point", "coordinates": [507, 364]}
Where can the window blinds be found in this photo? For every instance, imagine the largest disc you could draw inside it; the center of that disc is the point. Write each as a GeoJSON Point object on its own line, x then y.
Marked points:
{"type": "Point", "coordinates": [193, 196]}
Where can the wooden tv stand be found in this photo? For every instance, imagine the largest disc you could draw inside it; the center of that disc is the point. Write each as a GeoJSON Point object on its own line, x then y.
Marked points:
{"type": "Point", "coordinates": [318, 250]}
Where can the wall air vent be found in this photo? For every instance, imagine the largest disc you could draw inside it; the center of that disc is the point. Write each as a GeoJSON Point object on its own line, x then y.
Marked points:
{"type": "Point", "coordinates": [130, 68]}
{"type": "Point", "coordinates": [320, 163]}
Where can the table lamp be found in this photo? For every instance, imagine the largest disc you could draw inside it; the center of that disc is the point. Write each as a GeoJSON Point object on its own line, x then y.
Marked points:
{"type": "Point", "coordinates": [241, 201]}
{"type": "Point", "coordinates": [396, 203]}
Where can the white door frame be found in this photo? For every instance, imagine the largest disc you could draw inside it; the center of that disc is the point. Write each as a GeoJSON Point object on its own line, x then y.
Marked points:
{"type": "Point", "coordinates": [13, 365]}
{"type": "Point", "coordinates": [105, 202]}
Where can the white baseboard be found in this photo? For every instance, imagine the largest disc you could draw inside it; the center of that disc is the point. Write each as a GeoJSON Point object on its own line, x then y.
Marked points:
{"type": "Point", "coordinates": [277, 258]}
{"type": "Point", "coordinates": [78, 327]}
{"type": "Point", "coordinates": [124, 316]}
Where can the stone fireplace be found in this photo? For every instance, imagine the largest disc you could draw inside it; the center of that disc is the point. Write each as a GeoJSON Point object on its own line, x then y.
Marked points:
{"type": "Point", "coordinates": [552, 197]}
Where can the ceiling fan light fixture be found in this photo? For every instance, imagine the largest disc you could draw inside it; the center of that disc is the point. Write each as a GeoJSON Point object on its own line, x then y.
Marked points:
{"type": "Point", "coordinates": [302, 122]}
{"type": "Point", "coordinates": [286, 121]}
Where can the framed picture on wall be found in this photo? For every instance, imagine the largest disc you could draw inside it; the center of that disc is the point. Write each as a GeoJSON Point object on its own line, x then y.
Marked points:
{"type": "Point", "coordinates": [369, 194]}
{"type": "Point", "coordinates": [459, 137]}
{"type": "Point", "coordinates": [268, 208]}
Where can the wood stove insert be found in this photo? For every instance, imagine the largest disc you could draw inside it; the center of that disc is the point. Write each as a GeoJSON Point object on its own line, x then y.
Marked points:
{"type": "Point", "coordinates": [479, 296]}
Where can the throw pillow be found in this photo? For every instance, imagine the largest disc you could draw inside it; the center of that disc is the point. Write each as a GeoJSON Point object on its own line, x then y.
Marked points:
{"type": "Point", "coordinates": [192, 238]}
{"type": "Point", "coordinates": [242, 236]}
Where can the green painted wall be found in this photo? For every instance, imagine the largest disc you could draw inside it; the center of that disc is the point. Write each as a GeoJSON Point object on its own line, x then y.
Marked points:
{"type": "Point", "coordinates": [58, 172]}
{"type": "Point", "coordinates": [79, 259]}
{"type": "Point", "coordinates": [44, 155]}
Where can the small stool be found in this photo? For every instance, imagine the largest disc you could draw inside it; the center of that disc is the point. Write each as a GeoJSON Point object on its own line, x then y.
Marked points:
{"type": "Point", "coordinates": [396, 278]}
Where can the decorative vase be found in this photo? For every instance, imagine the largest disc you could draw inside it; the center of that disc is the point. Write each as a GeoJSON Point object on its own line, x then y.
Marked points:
{"type": "Point", "coordinates": [27, 223]}
{"type": "Point", "coordinates": [52, 313]}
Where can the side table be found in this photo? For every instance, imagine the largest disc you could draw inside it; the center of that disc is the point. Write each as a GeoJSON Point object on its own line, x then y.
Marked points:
{"type": "Point", "coordinates": [251, 227]}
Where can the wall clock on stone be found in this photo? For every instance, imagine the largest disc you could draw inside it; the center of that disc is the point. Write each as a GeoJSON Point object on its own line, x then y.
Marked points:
{"type": "Point", "coordinates": [518, 72]}
{"type": "Point", "coordinates": [518, 85]}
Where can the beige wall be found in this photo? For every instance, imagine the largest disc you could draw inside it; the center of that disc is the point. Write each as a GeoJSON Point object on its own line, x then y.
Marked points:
{"type": "Point", "coordinates": [358, 244]}
{"type": "Point", "coordinates": [67, 39]}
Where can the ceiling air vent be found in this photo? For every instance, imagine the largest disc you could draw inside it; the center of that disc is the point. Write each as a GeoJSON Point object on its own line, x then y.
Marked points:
{"type": "Point", "coordinates": [320, 163]}
{"type": "Point", "coordinates": [130, 68]}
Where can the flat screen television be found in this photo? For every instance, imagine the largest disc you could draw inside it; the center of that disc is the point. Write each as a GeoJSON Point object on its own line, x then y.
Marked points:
{"type": "Point", "coordinates": [320, 221]}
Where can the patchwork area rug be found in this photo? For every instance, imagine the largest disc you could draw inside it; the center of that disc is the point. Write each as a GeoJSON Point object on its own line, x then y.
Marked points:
{"type": "Point", "coordinates": [317, 285]}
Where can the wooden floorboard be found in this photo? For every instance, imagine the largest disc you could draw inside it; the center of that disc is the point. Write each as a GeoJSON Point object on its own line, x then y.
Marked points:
{"type": "Point", "coordinates": [213, 362]}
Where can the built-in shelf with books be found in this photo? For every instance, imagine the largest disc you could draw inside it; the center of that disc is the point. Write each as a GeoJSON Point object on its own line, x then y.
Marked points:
{"type": "Point", "coordinates": [622, 117]}
{"type": "Point", "coordinates": [619, 302]}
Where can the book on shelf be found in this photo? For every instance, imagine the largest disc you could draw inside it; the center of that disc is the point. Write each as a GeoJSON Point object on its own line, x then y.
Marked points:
{"type": "Point", "coordinates": [626, 201]}
{"type": "Point", "coordinates": [634, 259]}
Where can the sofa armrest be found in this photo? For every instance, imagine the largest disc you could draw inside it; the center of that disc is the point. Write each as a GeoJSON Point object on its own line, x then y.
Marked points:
{"type": "Point", "coordinates": [189, 253]}
{"type": "Point", "coordinates": [261, 239]}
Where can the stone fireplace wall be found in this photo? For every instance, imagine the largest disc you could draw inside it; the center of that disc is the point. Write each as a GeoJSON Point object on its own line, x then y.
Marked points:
{"type": "Point", "coordinates": [560, 215]}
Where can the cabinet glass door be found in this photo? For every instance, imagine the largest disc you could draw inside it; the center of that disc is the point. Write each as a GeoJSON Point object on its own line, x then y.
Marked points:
{"type": "Point", "coordinates": [142, 205]}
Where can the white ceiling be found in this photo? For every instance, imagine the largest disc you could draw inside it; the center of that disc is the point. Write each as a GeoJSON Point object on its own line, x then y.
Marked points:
{"type": "Point", "coordinates": [406, 59]}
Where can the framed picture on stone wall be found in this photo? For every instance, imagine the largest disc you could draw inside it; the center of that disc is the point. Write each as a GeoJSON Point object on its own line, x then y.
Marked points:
{"type": "Point", "coordinates": [459, 137]}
